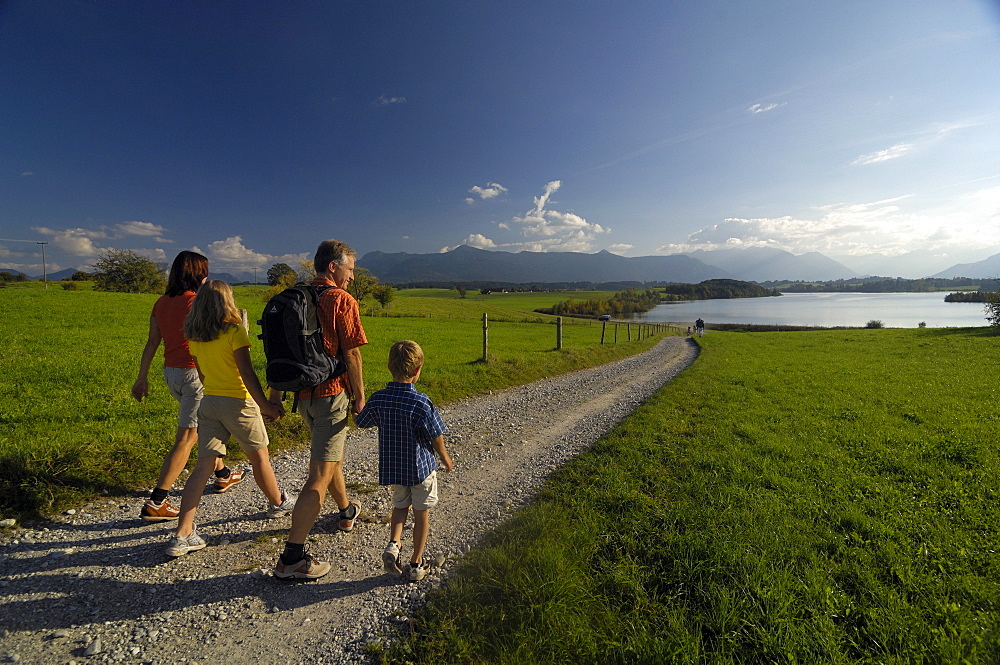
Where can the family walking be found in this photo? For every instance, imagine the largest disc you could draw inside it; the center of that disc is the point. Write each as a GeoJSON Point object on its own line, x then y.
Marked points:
{"type": "Point", "coordinates": [207, 368]}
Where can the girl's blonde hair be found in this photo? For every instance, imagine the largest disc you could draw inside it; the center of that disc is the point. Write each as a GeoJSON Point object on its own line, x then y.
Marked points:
{"type": "Point", "coordinates": [213, 312]}
{"type": "Point", "coordinates": [405, 358]}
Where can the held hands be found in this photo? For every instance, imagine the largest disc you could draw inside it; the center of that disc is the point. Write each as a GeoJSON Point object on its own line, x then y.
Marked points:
{"type": "Point", "coordinates": [271, 411]}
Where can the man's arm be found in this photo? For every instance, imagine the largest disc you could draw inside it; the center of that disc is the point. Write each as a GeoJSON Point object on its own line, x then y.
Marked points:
{"type": "Point", "coordinates": [354, 374]}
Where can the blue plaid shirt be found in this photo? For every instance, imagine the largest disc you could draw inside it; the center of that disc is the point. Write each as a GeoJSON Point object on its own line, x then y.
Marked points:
{"type": "Point", "coordinates": [407, 424]}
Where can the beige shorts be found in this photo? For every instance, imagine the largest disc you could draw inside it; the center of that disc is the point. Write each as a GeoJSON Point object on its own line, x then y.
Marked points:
{"type": "Point", "coordinates": [422, 497]}
{"type": "Point", "coordinates": [220, 417]}
{"type": "Point", "coordinates": [326, 418]}
{"type": "Point", "coordinates": [186, 388]}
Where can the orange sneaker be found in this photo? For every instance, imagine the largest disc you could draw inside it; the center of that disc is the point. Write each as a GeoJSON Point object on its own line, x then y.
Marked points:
{"type": "Point", "coordinates": [307, 568]}
{"type": "Point", "coordinates": [222, 485]}
{"type": "Point", "coordinates": [158, 512]}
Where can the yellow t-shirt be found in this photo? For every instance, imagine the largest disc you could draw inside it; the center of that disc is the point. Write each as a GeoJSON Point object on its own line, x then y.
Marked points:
{"type": "Point", "coordinates": [218, 364]}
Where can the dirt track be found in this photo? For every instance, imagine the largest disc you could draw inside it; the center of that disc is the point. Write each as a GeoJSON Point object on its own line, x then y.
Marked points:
{"type": "Point", "coordinates": [101, 573]}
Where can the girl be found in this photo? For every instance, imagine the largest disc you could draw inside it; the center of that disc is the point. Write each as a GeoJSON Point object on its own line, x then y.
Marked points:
{"type": "Point", "coordinates": [233, 404]}
{"type": "Point", "coordinates": [187, 273]}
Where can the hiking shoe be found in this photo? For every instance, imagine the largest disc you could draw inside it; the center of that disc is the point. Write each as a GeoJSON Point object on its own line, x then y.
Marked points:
{"type": "Point", "coordinates": [181, 546]}
{"type": "Point", "coordinates": [158, 512]}
{"type": "Point", "coordinates": [223, 485]}
{"type": "Point", "coordinates": [418, 571]}
{"type": "Point", "coordinates": [308, 568]}
{"type": "Point", "coordinates": [284, 508]}
{"type": "Point", "coordinates": [390, 557]}
{"type": "Point", "coordinates": [348, 516]}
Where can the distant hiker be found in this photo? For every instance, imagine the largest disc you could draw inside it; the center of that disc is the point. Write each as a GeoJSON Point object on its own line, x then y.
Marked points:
{"type": "Point", "coordinates": [699, 327]}
{"type": "Point", "coordinates": [689, 331]}
{"type": "Point", "coordinates": [166, 323]}
{"type": "Point", "coordinates": [410, 431]}
{"type": "Point", "coordinates": [234, 405]}
{"type": "Point", "coordinates": [324, 409]}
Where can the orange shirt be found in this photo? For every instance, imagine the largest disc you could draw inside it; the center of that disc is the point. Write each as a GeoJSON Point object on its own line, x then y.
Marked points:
{"type": "Point", "coordinates": [341, 322]}
{"type": "Point", "coordinates": [169, 312]}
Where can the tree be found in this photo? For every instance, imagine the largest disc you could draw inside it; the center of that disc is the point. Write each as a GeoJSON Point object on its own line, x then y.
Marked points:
{"type": "Point", "coordinates": [364, 284]}
{"type": "Point", "coordinates": [280, 273]}
{"type": "Point", "coordinates": [384, 294]}
{"type": "Point", "coordinates": [992, 308]}
{"type": "Point", "coordinates": [307, 270]}
{"type": "Point", "coordinates": [81, 276]}
{"type": "Point", "coordinates": [124, 271]}
{"type": "Point", "coordinates": [461, 290]}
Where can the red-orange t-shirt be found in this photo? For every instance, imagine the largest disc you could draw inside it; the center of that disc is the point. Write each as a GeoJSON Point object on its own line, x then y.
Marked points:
{"type": "Point", "coordinates": [169, 312]}
{"type": "Point", "coordinates": [341, 322]}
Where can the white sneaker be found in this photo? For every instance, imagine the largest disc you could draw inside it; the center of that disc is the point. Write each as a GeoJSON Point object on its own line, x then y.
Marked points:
{"type": "Point", "coordinates": [390, 557]}
{"type": "Point", "coordinates": [285, 508]}
{"type": "Point", "coordinates": [418, 571]}
{"type": "Point", "coordinates": [190, 543]}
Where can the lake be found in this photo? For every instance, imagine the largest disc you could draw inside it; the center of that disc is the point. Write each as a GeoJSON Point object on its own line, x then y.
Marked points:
{"type": "Point", "coordinates": [894, 310]}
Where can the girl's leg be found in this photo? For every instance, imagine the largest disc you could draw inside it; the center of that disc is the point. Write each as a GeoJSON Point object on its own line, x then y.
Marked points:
{"type": "Point", "coordinates": [177, 458]}
{"type": "Point", "coordinates": [421, 525]}
{"type": "Point", "coordinates": [263, 474]}
{"type": "Point", "coordinates": [193, 489]}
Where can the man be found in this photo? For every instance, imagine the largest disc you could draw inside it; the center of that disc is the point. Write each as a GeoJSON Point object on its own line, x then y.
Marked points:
{"type": "Point", "coordinates": [325, 408]}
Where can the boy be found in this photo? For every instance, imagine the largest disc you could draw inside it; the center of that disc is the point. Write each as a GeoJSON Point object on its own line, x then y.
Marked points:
{"type": "Point", "coordinates": [410, 431]}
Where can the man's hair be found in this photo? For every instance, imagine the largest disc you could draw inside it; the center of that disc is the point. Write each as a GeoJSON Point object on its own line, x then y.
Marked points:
{"type": "Point", "coordinates": [331, 250]}
{"type": "Point", "coordinates": [187, 273]}
{"type": "Point", "coordinates": [405, 358]}
{"type": "Point", "coordinates": [213, 312]}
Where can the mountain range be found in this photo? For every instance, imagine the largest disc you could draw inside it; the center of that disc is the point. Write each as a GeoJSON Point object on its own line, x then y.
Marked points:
{"type": "Point", "coordinates": [752, 264]}
{"type": "Point", "coordinates": [756, 264]}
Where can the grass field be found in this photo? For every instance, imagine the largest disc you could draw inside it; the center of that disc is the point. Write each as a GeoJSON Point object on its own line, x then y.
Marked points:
{"type": "Point", "coordinates": [69, 427]}
{"type": "Point", "coordinates": [804, 497]}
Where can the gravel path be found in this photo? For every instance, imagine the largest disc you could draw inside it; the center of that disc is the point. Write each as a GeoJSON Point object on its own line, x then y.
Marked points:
{"type": "Point", "coordinates": [94, 585]}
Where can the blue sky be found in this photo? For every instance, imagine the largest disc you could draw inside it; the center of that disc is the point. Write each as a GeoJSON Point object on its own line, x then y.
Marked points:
{"type": "Point", "coordinates": [250, 131]}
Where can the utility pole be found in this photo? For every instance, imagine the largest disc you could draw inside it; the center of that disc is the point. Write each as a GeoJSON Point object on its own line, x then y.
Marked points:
{"type": "Point", "coordinates": [255, 275]}
{"type": "Point", "coordinates": [45, 277]}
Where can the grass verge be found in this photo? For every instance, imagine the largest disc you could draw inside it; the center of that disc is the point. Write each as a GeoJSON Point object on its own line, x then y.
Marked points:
{"type": "Point", "coordinates": [820, 497]}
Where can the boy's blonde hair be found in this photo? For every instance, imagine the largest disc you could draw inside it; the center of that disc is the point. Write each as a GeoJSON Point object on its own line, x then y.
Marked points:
{"type": "Point", "coordinates": [213, 312]}
{"type": "Point", "coordinates": [405, 358]}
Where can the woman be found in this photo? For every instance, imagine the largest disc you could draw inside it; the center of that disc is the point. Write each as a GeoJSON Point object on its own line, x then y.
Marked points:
{"type": "Point", "coordinates": [188, 272]}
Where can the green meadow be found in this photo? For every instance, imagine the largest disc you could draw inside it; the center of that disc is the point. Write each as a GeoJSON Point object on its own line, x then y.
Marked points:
{"type": "Point", "coordinates": [69, 427]}
{"type": "Point", "coordinates": [793, 497]}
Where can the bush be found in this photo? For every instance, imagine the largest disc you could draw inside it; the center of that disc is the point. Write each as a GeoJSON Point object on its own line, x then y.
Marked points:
{"type": "Point", "coordinates": [874, 323]}
{"type": "Point", "coordinates": [124, 271]}
{"type": "Point", "coordinates": [992, 308]}
{"type": "Point", "coordinates": [70, 286]}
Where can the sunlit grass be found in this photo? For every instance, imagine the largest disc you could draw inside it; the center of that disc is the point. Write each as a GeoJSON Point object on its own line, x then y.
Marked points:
{"type": "Point", "coordinates": [69, 426]}
{"type": "Point", "coordinates": [819, 497]}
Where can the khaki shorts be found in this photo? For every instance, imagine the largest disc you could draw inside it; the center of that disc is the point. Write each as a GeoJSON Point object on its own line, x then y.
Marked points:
{"type": "Point", "coordinates": [422, 497]}
{"type": "Point", "coordinates": [220, 417]}
{"type": "Point", "coordinates": [326, 418]}
{"type": "Point", "coordinates": [185, 386]}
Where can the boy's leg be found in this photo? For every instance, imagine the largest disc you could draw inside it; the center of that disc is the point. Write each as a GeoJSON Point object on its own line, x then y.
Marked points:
{"type": "Point", "coordinates": [397, 522]}
{"type": "Point", "coordinates": [421, 525]}
{"type": "Point", "coordinates": [193, 490]}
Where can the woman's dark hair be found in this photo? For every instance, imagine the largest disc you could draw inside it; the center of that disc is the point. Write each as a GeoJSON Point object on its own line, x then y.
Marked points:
{"type": "Point", "coordinates": [187, 272]}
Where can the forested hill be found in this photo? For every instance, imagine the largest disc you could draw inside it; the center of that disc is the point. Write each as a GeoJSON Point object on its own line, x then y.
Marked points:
{"type": "Point", "coordinates": [717, 289]}
{"type": "Point", "coordinates": [885, 285]}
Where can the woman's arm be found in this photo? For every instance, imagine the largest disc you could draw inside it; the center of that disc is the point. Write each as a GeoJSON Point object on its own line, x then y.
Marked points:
{"type": "Point", "coordinates": [140, 388]}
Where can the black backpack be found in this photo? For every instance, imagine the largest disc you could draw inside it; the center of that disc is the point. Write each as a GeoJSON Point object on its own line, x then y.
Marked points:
{"type": "Point", "coordinates": [293, 340]}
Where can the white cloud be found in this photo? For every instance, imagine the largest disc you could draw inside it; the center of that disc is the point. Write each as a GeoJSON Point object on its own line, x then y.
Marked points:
{"type": "Point", "coordinates": [490, 191]}
{"type": "Point", "coordinates": [543, 229]}
{"type": "Point", "coordinates": [75, 242]}
{"type": "Point", "coordinates": [880, 227]}
{"type": "Point", "coordinates": [387, 101]}
{"type": "Point", "coordinates": [140, 229]}
{"type": "Point", "coordinates": [26, 173]}
{"type": "Point", "coordinates": [620, 248]}
{"type": "Point", "coordinates": [878, 156]}
{"type": "Point", "coordinates": [763, 108]}
{"type": "Point", "coordinates": [231, 254]}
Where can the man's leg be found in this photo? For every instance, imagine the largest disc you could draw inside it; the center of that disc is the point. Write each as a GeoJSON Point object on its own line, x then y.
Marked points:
{"type": "Point", "coordinates": [310, 501]}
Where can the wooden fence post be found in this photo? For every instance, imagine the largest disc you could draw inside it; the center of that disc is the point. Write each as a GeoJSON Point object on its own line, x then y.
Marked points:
{"type": "Point", "coordinates": [558, 333]}
{"type": "Point", "coordinates": [604, 327]}
{"type": "Point", "coordinates": [245, 319]}
{"type": "Point", "coordinates": [616, 333]}
{"type": "Point", "coordinates": [486, 336]}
